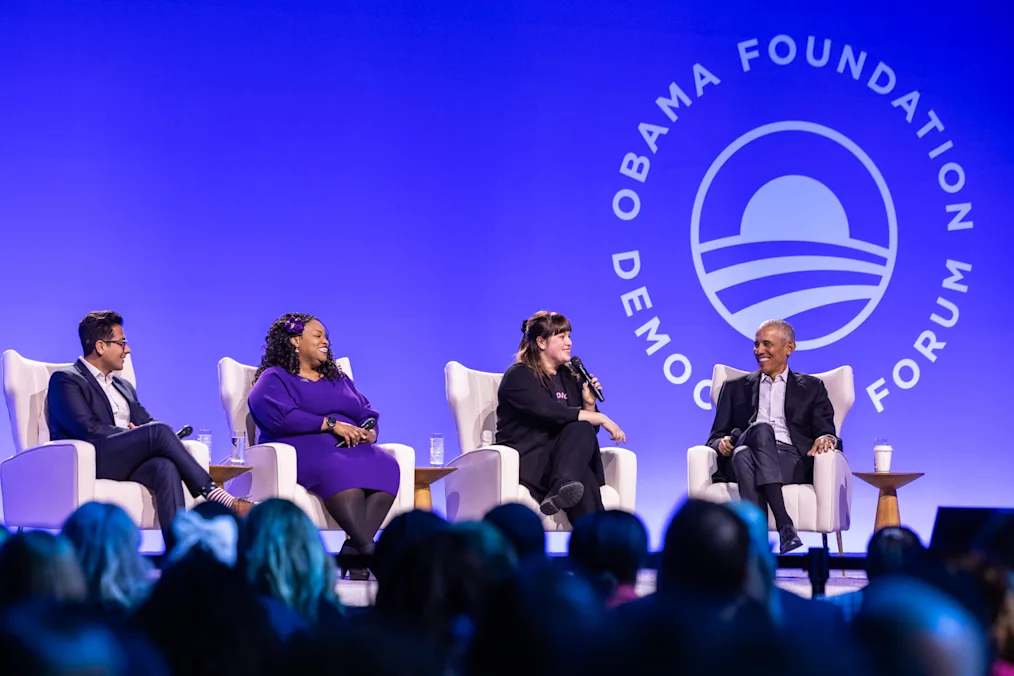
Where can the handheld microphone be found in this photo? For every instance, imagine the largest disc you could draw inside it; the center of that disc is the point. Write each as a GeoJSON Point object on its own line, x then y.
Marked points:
{"type": "Point", "coordinates": [185, 432]}
{"type": "Point", "coordinates": [583, 372]}
{"type": "Point", "coordinates": [735, 434]}
{"type": "Point", "coordinates": [368, 424]}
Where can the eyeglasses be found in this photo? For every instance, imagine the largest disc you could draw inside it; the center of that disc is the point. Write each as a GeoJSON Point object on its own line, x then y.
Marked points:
{"type": "Point", "coordinates": [122, 342]}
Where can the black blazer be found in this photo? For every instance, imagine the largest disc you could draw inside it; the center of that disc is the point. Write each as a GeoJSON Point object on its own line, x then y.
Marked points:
{"type": "Point", "coordinates": [529, 419]}
{"type": "Point", "coordinates": [808, 410]}
{"type": "Point", "coordinates": [79, 408]}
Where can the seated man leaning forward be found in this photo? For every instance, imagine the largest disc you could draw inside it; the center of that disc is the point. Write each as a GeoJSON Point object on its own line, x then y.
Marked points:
{"type": "Point", "coordinates": [90, 402]}
{"type": "Point", "coordinates": [785, 419]}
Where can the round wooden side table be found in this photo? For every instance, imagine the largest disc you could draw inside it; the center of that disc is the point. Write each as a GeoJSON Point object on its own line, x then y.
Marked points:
{"type": "Point", "coordinates": [424, 477]}
{"type": "Point", "coordinates": [222, 473]}
{"type": "Point", "coordinates": [887, 502]}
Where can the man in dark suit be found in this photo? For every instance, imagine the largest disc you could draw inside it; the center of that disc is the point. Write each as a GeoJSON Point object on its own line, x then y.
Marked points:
{"type": "Point", "coordinates": [785, 419]}
{"type": "Point", "coordinates": [87, 402]}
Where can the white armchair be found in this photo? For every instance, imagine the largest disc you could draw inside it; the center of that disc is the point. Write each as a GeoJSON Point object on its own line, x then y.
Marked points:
{"type": "Point", "coordinates": [274, 465]}
{"type": "Point", "coordinates": [489, 476]}
{"type": "Point", "coordinates": [47, 480]}
{"type": "Point", "coordinates": [823, 507]}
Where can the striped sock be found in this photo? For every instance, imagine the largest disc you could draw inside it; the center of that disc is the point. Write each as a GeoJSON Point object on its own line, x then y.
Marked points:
{"type": "Point", "coordinates": [221, 496]}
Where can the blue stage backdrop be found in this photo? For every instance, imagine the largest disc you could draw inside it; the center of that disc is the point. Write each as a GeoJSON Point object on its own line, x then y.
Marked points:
{"type": "Point", "coordinates": [423, 176]}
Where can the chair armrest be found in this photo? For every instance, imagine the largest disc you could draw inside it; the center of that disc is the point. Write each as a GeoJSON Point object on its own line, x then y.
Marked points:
{"type": "Point", "coordinates": [199, 452]}
{"type": "Point", "coordinates": [832, 482]}
{"type": "Point", "coordinates": [702, 463]}
{"type": "Point", "coordinates": [620, 467]}
{"type": "Point", "coordinates": [274, 471]}
{"type": "Point", "coordinates": [483, 479]}
{"type": "Point", "coordinates": [42, 486]}
{"type": "Point", "coordinates": [404, 501]}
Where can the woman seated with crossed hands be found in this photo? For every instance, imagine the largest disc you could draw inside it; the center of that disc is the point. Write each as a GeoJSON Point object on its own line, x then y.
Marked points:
{"type": "Point", "coordinates": [301, 397]}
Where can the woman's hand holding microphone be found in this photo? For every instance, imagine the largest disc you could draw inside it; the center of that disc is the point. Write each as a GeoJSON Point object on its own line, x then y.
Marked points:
{"type": "Point", "coordinates": [590, 414]}
{"type": "Point", "coordinates": [352, 435]}
{"type": "Point", "coordinates": [588, 396]}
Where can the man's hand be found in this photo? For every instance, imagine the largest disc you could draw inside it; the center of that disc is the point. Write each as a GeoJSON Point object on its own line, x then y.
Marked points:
{"type": "Point", "coordinates": [725, 446]}
{"type": "Point", "coordinates": [131, 426]}
{"type": "Point", "coordinates": [823, 444]}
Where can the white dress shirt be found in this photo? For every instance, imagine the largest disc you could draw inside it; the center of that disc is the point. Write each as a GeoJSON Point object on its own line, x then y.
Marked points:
{"type": "Point", "coordinates": [771, 405]}
{"type": "Point", "coordinates": [121, 409]}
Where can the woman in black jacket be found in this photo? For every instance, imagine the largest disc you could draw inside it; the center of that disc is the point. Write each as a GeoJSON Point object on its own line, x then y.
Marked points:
{"type": "Point", "coordinates": [550, 417]}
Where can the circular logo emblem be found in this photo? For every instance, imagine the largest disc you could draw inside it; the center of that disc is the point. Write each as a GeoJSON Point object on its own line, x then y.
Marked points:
{"type": "Point", "coordinates": [793, 220]}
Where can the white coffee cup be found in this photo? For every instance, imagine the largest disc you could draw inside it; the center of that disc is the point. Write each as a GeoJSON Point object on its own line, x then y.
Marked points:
{"type": "Point", "coordinates": [882, 456]}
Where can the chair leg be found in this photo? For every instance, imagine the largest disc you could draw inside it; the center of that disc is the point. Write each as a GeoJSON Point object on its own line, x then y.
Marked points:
{"type": "Point", "coordinates": [841, 553]}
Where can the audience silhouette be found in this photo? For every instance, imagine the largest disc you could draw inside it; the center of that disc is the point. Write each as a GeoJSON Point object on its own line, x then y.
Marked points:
{"type": "Point", "coordinates": [258, 595]}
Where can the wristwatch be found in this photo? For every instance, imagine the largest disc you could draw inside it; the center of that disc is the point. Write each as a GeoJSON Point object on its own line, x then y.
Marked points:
{"type": "Point", "coordinates": [331, 422]}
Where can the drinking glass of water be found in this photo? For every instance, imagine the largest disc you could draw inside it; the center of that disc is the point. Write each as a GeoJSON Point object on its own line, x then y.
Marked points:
{"type": "Point", "coordinates": [238, 447]}
{"type": "Point", "coordinates": [437, 450]}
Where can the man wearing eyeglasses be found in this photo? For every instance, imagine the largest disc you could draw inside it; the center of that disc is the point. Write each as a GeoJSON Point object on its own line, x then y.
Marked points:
{"type": "Point", "coordinates": [87, 401]}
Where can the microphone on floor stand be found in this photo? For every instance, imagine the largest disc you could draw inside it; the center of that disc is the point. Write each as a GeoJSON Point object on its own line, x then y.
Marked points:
{"type": "Point", "coordinates": [185, 432]}
{"type": "Point", "coordinates": [818, 572]}
{"type": "Point", "coordinates": [583, 372]}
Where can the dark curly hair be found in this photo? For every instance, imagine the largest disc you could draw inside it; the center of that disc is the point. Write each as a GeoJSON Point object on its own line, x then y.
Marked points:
{"type": "Point", "coordinates": [279, 350]}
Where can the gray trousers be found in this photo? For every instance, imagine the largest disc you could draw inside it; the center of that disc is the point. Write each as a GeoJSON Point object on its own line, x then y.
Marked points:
{"type": "Point", "coordinates": [760, 459]}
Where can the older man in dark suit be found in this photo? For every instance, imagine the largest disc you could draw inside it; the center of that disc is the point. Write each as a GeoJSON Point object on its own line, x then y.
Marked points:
{"type": "Point", "coordinates": [87, 402]}
{"type": "Point", "coordinates": [785, 419]}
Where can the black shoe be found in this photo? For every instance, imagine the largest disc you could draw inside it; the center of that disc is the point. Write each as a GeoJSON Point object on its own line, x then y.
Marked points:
{"type": "Point", "coordinates": [354, 561]}
{"type": "Point", "coordinates": [360, 570]}
{"type": "Point", "coordinates": [347, 559]}
{"type": "Point", "coordinates": [359, 574]}
{"type": "Point", "coordinates": [788, 539]}
{"type": "Point", "coordinates": [566, 495]}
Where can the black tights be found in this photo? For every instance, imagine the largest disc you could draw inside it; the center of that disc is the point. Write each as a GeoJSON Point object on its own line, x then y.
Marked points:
{"type": "Point", "coordinates": [360, 511]}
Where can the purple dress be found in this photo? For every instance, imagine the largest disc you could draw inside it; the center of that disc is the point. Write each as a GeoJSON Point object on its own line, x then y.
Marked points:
{"type": "Point", "coordinates": [290, 409]}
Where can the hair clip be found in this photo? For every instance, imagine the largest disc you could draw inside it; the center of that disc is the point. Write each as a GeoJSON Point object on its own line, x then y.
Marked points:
{"type": "Point", "coordinates": [218, 536]}
{"type": "Point", "coordinates": [294, 326]}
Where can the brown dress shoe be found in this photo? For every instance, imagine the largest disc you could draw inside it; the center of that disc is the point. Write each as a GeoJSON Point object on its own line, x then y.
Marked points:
{"type": "Point", "coordinates": [242, 507]}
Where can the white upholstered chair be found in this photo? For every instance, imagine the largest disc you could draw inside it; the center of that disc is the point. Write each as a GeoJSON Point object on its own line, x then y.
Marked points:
{"type": "Point", "coordinates": [47, 480]}
{"type": "Point", "coordinates": [488, 476]}
{"type": "Point", "coordinates": [822, 507]}
{"type": "Point", "coordinates": [274, 464]}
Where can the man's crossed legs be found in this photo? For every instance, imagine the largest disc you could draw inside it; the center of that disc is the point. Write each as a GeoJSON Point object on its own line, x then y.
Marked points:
{"type": "Point", "coordinates": [762, 465]}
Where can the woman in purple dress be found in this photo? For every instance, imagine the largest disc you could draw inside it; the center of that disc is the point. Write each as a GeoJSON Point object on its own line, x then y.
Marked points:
{"type": "Point", "coordinates": [301, 397]}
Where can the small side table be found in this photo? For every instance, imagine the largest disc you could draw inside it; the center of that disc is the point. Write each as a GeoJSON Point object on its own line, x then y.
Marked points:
{"type": "Point", "coordinates": [222, 473]}
{"type": "Point", "coordinates": [887, 502]}
{"type": "Point", "coordinates": [424, 477]}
